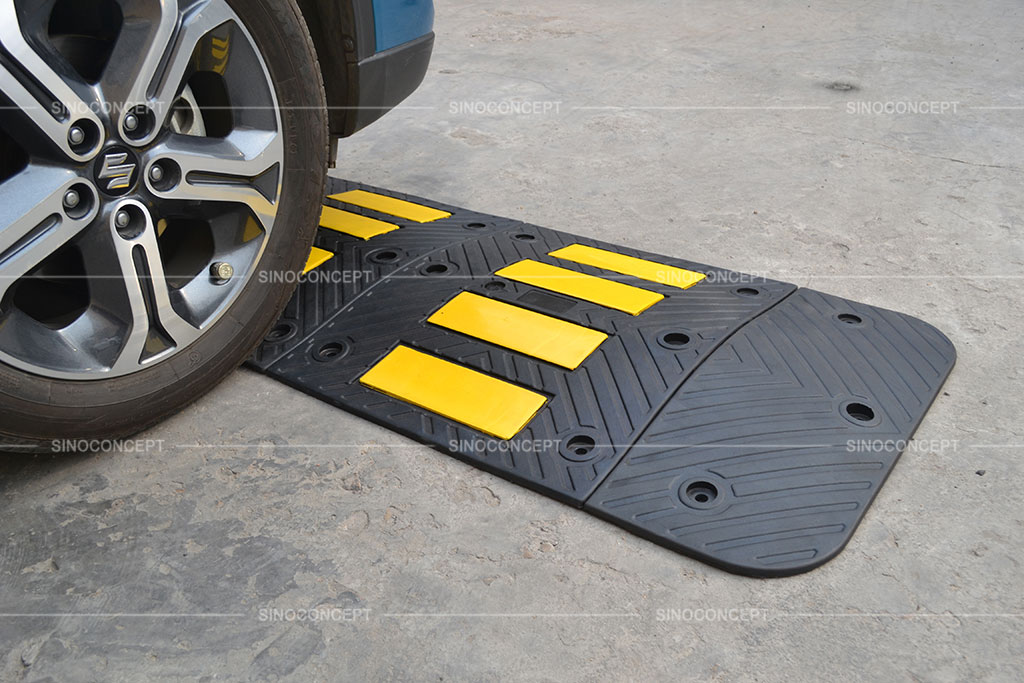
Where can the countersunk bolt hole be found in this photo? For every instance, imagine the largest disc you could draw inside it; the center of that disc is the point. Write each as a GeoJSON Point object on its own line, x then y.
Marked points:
{"type": "Point", "coordinates": [674, 340]}
{"type": "Point", "coordinates": [384, 257]}
{"type": "Point", "coordinates": [436, 269]}
{"type": "Point", "coordinates": [330, 351]}
{"type": "Point", "coordinates": [702, 492]}
{"type": "Point", "coordinates": [280, 332]}
{"type": "Point", "coordinates": [748, 291]}
{"type": "Point", "coordinates": [850, 319]}
{"type": "Point", "coordinates": [860, 412]}
{"type": "Point", "coordinates": [580, 444]}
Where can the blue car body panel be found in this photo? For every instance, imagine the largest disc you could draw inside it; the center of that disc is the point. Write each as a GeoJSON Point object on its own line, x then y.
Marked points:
{"type": "Point", "coordinates": [399, 21]}
{"type": "Point", "coordinates": [373, 54]}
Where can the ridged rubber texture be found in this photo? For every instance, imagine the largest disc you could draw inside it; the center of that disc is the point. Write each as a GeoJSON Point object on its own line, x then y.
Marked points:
{"type": "Point", "coordinates": [656, 413]}
{"type": "Point", "coordinates": [609, 398]}
{"type": "Point", "coordinates": [766, 421]}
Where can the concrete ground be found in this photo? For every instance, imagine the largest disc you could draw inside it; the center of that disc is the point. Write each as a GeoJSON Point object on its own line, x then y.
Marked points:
{"type": "Point", "coordinates": [785, 139]}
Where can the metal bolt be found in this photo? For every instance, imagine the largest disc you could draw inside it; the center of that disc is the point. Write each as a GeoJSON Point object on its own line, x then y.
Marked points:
{"type": "Point", "coordinates": [131, 122]}
{"type": "Point", "coordinates": [156, 173]}
{"type": "Point", "coordinates": [122, 219]}
{"type": "Point", "coordinates": [222, 271]}
{"type": "Point", "coordinates": [71, 199]}
{"type": "Point", "coordinates": [76, 135]}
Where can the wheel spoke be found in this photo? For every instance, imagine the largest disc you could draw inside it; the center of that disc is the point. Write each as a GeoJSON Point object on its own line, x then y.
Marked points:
{"type": "Point", "coordinates": [243, 168]}
{"type": "Point", "coordinates": [165, 33]}
{"type": "Point", "coordinates": [33, 220]}
{"type": "Point", "coordinates": [25, 77]}
{"type": "Point", "coordinates": [149, 300]}
{"type": "Point", "coordinates": [99, 294]}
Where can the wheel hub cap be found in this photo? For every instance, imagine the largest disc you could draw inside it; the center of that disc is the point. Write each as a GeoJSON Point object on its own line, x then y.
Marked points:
{"type": "Point", "coordinates": [116, 171]}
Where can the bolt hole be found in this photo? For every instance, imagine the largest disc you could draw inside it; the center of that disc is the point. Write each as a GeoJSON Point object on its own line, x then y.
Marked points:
{"type": "Point", "coordinates": [674, 340]}
{"type": "Point", "coordinates": [860, 412]}
{"type": "Point", "coordinates": [476, 226]}
{"type": "Point", "coordinates": [702, 492]}
{"type": "Point", "coordinates": [525, 237]}
{"type": "Point", "coordinates": [748, 291]}
{"type": "Point", "coordinates": [330, 351]}
{"type": "Point", "coordinates": [280, 332]}
{"type": "Point", "coordinates": [385, 256]}
{"type": "Point", "coordinates": [494, 286]}
{"type": "Point", "coordinates": [580, 445]}
{"type": "Point", "coordinates": [850, 319]}
{"type": "Point", "coordinates": [435, 269]}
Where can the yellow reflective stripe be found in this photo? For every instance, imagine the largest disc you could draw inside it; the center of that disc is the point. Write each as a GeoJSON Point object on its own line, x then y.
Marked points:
{"type": "Point", "coordinates": [353, 224]}
{"type": "Point", "coordinates": [317, 258]}
{"type": "Point", "coordinates": [629, 265]}
{"type": "Point", "coordinates": [535, 334]}
{"type": "Point", "coordinates": [390, 205]}
{"type": "Point", "coordinates": [485, 403]}
{"type": "Point", "coordinates": [617, 295]}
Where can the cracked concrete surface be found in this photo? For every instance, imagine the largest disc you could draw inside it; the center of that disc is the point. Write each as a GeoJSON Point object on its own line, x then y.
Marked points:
{"type": "Point", "coordinates": [718, 132]}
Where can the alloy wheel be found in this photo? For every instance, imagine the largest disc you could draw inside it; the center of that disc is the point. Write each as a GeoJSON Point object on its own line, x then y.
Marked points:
{"type": "Point", "coordinates": [140, 170]}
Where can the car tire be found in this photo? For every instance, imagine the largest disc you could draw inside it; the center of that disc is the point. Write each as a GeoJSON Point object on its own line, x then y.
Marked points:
{"type": "Point", "coordinates": [38, 410]}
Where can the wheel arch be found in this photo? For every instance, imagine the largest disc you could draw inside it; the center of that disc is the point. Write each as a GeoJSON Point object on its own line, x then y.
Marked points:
{"type": "Point", "coordinates": [343, 34]}
{"type": "Point", "coordinates": [361, 83]}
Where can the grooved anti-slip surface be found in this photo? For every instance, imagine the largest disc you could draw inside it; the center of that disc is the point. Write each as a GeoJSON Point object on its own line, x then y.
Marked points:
{"type": "Point", "coordinates": [738, 420]}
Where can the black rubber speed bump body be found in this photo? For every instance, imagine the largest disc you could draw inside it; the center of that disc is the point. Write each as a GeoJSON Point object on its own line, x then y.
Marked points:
{"type": "Point", "coordinates": [731, 418]}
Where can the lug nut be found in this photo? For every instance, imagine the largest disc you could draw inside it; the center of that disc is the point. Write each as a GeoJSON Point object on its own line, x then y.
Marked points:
{"type": "Point", "coordinates": [156, 173]}
{"type": "Point", "coordinates": [222, 271]}
{"type": "Point", "coordinates": [71, 199]}
{"type": "Point", "coordinates": [76, 135]}
{"type": "Point", "coordinates": [131, 122]}
{"type": "Point", "coordinates": [122, 219]}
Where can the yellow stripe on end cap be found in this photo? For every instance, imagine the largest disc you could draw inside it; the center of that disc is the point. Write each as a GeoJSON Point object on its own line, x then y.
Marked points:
{"type": "Point", "coordinates": [629, 265]}
{"type": "Point", "coordinates": [390, 205]}
{"type": "Point", "coordinates": [353, 224]}
{"type": "Point", "coordinates": [485, 403]}
{"type": "Point", "coordinates": [317, 258]}
{"type": "Point", "coordinates": [608, 293]}
{"type": "Point", "coordinates": [535, 334]}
